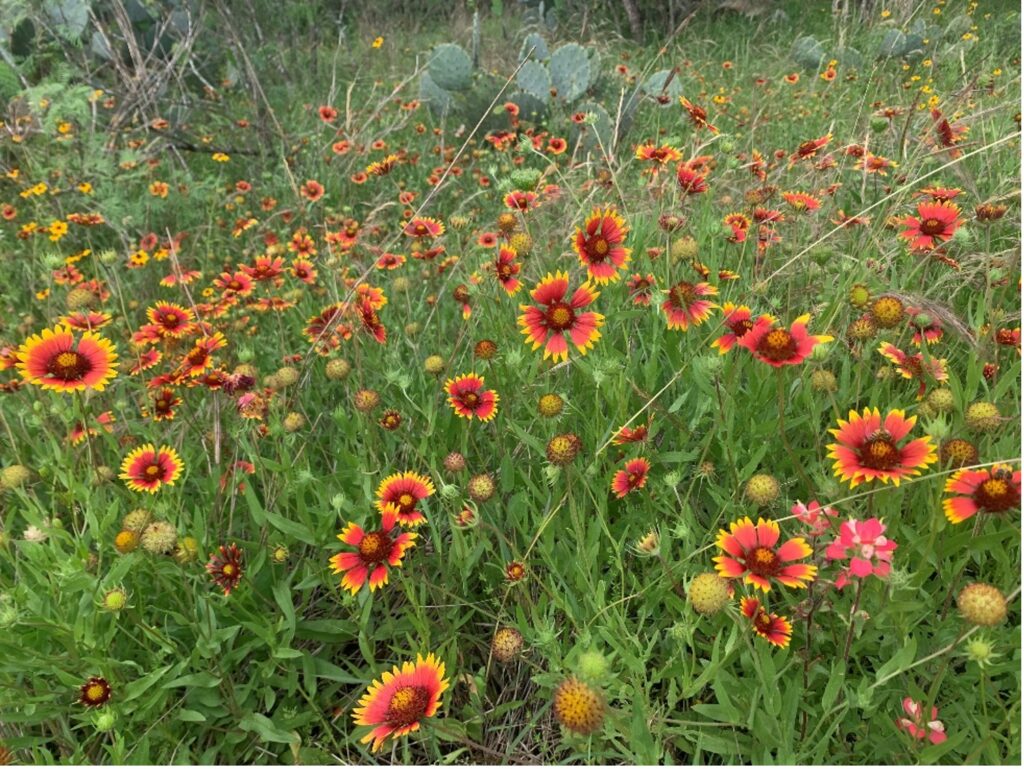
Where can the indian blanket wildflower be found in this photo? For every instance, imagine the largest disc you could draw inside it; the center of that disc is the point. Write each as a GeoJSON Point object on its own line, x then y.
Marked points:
{"type": "Point", "coordinates": [686, 306]}
{"type": "Point", "coordinates": [778, 346]}
{"type": "Point", "coordinates": [469, 399]}
{"type": "Point", "coordinates": [375, 552]}
{"type": "Point", "coordinates": [225, 567]}
{"type": "Point", "coordinates": [751, 554]}
{"type": "Point", "coordinates": [599, 245]}
{"type": "Point", "coordinates": [868, 448]}
{"type": "Point", "coordinates": [396, 703]}
{"type": "Point", "coordinates": [737, 319]}
{"type": "Point", "coordinates": [95, 692]}
{"type": "Point", "coordinates": [934, 224]}
{"type": "Point", "coordinates": [55, 360]}
{"type": "Point", "coordinates": [404, 491]}
{"type": "Point", "coordinates": [558, 319]}
{"type": "Point", "coordinates": [632, 477]}
{"type": "Point", "coordinates": [993, 489]}
{"type": "Point", "coordinates": [148, 468]}
{"type": "Point", "coordinates": [771, 627]}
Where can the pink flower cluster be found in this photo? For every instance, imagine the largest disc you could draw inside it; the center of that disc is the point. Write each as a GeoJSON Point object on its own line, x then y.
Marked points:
{"type": "Point", "coordinates": [864, 543]}
{"type": "Point", "coordinates": [815, 516]}
{"type": "Point", "coordinates": [934, 729]}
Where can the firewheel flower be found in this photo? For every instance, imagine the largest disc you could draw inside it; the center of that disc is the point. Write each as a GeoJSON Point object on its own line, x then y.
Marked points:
{"type": "Point", "coordinates": [935, 224]}
{"type": "Point", "coordinates": [750, 553]}
{"type": "Point", "coordinates": [915, 725]}
{"type": "Point", "coordinates": [868, 448]}
{"type": "Point", "coordinates": [375, 552]}
{"type": "Point", "coordinates": [506, 268]}
{"type": "Point", "coordinates": [396, 703]}
{"type": "Point", "coordinates": [53, 360]}
{"type": "Point", "coordinates": [686, 305]}
{"type": "Point", "coordinates": [993, 489]}
{"type": "Point", "coordinates": [778, 346]}
{"type": "Point", "coordinates": [404, 491]}
{"type": "Point", "coordinates": [468, 398]}
{"type": "Point", "coordinates": [148, 468]}
{"type": "Point", "coordinates": [774, 629]}
{"type": "Point", "coordinates": [630, 478]}
{"type": "Point", "coordinates": [599, 245]}
{"type": "Point", "coordinates": [225, 567]}
{"type": "Point", "coordinates": [867, 547]}
{"type": "Point", "coordinates": [738, 320]}
{"type": "Point", "coordinates": [557, 318]}
{"type": "Point", "coordinates": [915, 366]}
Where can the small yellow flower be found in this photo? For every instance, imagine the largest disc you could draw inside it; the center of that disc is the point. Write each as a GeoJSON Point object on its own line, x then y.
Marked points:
{"type": "Point", "coordinates": [220, 157]}
{"type": "Point", "coordinates": [378, 42]}
{"type": "Point", "coordinates": [886, 13]}
{"type": "Point", "coordinates": [85, 188]}
{"type": "Point", "coordinates": [58, 229]}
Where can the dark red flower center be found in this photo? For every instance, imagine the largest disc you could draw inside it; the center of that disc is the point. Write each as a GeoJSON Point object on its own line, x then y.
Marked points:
{"type": "Point", "coordinates": [682, 294]}
{"type": "Point", "coordinates": [997, 494]}
{"type": "Point", "coordinates": [375, 547]}
{"type": "Point", "coordinates": [162, 404]}
{"type": "Point", "coordinates": [169, 319]}
{"type": "Point", "coordinates": [932, 226]}
{"type": "Point", "coordinates": [406, 502]}
{"type": "Point", "coordinates": [153, 470]}
{"type": "Point", "coordinates": [598, 249]}
{"type": "Point", "coordinates": [879, 452]}
{"type": "Point", "coordinates": [470, 400]}
{"type": "Point", "coordinates": [763, 562]}
{"type": "Point", "coordinates": [197, 357]}
{"type": "Point", "coordinates": [777, 345]}
{"type": "Point", "coordinates": [762, 622]}
{"type": "Point", "coordinates": [740, 327]}
{"type": "Point", "coordinates": [69, 365]}
{"type": "Point", "coordinates": [95, 692]}
{"type": "Point", "coordinates": [560, 316]}
{"type": "Point", "coordinates": [408, 705]}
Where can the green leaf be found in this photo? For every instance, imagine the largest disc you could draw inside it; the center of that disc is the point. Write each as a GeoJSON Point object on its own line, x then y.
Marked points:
{"type": "Point", "coordinates": [267, 730]}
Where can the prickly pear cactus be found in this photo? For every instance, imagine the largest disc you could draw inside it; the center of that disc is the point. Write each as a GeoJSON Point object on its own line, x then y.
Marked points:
{"type": "Point", "coordinates": [535, 43]}
{"type": "Point", "coordinates": [808, 52]}
{"type": "Point", "coordinates": [596, 133]}
{"type": "Point", "coordinates": [535, 80]}
{"type": "Point", "coordinates": [450, 67]}
{"type": "Point", "coordinates": [570, 71]}
{"type": "Point", "coordinates": [659, 84]}
{"type": "Point", "coordinates": [9, 85]}
{"type": "Point", "coordinates": [531, 108]}
{"type": "Point", "coordinates": [438, 100]}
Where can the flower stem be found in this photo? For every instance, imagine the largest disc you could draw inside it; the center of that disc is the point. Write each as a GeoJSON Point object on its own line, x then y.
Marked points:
{"type": "Point", "coordinates": [782, 432]}
{"type": "Point", "coordinates": [853, 612]}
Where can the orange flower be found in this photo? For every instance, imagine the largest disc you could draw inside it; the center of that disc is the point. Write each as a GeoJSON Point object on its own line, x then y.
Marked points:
{"type": "Point", "coordinates": [559, 317]}
{"type": "Point", "coordinates": [750, 553]}
{"type": "Point", "coordinates": [147, 468]}
{"type": "Point", "coordinates": [867, 448]}
{"type": "Point", "coordinates": [404, 491]}
{"type": "Point", "coordinates": [396, 704]}
{"type": "Point", "coordinates": [53, 360]}
{"type": "Point", "coordinates": [599, 245]}
{"type": "Point", "coordinates": [375, 552]}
